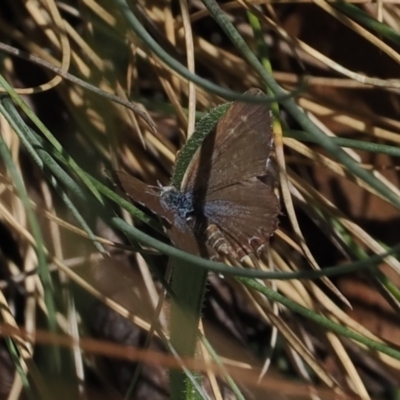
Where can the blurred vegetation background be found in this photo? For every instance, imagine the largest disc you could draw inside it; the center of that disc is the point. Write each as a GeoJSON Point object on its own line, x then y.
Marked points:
{"type": "Point", "coordinates": [84, 311]}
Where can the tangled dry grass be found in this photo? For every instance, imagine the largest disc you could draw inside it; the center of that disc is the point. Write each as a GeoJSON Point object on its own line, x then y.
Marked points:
{"type": "Point", "coordinates": [79, 302]}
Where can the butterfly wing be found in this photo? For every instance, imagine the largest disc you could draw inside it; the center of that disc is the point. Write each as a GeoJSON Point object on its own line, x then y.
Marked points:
{"type": "Point", "coordinates": [143, 194]}
{"type": "Point", "coordinates": [239, 212]}
{"type": "Point", "coordinates": [222, 178]}
{"type": "Point", "coordinates": [236, 151]}
{"type": "Point", "coordinates": [246, 213]}
{"type": "Point", "coordinates": [183, 236]}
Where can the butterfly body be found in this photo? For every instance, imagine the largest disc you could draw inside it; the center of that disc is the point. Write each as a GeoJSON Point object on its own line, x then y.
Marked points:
{"type": "Point", "coordinates": [226, 203]}
{"type": "Point", "coordinates": [179, 203]}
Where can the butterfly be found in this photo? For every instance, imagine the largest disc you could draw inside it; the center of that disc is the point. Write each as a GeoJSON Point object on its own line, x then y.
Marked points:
{"type": "Point", "coordinates": [226, 204]}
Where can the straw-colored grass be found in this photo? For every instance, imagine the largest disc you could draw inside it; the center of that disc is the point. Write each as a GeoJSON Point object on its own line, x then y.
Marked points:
{"type": "Point", "coordinates": [75, 289]}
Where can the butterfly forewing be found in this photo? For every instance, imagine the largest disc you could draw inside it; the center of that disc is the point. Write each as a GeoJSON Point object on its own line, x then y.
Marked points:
{"type": "Point", "coordinates": [143, 194]}
{"type": "Point", "coordinates": [236, 151]}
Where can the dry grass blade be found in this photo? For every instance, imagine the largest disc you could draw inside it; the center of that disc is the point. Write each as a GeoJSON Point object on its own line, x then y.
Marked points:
{"type": "Point", "coordinates": [110, 304]}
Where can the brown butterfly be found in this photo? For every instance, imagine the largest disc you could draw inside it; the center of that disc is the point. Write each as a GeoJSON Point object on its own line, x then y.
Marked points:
{"type": "Point", "coordinates": [226, 203]}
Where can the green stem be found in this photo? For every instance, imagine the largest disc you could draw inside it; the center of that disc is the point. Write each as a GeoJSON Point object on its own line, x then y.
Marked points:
{"type": "Point", "coordinates": [188, 284]}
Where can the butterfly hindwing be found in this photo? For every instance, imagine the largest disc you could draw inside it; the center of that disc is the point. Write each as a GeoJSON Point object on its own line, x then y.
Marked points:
{"type": "Point", "coordinates": [246, 213]}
